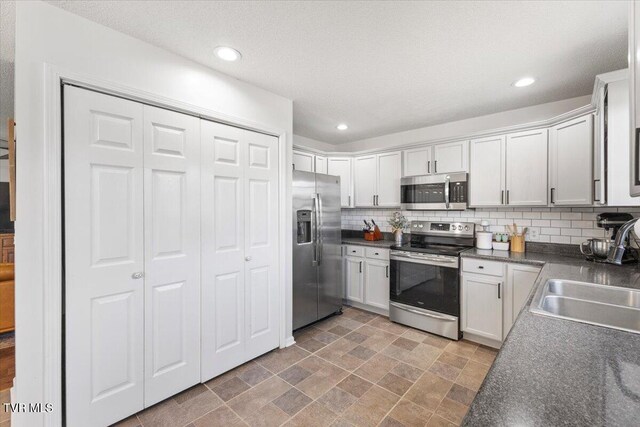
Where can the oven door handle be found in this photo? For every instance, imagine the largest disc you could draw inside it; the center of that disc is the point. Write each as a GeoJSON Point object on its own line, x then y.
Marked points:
{"type": "Point", "coordinates": [423, 313]}
{"type": "Point", "coordinates": [417, 260]}
{"type": "Point", "coordinates": [447, 196]}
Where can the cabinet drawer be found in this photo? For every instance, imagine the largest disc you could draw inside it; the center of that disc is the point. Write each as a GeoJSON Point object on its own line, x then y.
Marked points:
{"type": "Point", "coordinates": [355, 250]}
{"type": "Point", "coordinates": [480, 266]}
{"type": "Point", "coordinates": [377, 253]}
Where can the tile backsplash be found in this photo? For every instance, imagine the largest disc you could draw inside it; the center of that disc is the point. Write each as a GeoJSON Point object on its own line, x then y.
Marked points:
{"type": "Point", "coordinates": [554, 225]}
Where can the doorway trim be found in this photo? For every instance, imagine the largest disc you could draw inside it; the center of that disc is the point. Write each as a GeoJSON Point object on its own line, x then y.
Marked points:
{"type": "Point", "coordinates": [52, 250]}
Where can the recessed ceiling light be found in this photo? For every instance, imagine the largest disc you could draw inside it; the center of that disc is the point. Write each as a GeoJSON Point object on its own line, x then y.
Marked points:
{"type": "Point", "coordinates": [342, 126]}
{"type": "Point", "coordinates": [227, 53]}
{"type": "Point", "coordinates": [525, 81]}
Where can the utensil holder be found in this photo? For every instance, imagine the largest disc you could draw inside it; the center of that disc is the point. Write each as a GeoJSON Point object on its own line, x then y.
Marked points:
{"type": "Point", "coordinates": [369, 236]}
{"type": "Point", "coordinates": [517, 243]}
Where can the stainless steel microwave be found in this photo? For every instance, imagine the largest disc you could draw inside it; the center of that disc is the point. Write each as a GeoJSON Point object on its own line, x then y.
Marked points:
{"type": "Point", "coordinates": [434, 192]}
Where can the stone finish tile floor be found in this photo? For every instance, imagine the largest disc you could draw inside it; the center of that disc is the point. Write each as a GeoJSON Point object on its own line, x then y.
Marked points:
{"type": "Point", "coordinates": [356, 369]}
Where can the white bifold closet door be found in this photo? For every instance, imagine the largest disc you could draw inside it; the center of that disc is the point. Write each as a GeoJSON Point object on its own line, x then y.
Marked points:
{"type": "Point", "coordinates": [132, 255]}
{"type": "Point", "coordinates": [240, 301]}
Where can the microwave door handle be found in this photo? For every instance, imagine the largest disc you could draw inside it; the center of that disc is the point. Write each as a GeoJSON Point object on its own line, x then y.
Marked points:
{"type": "Point", "coordinates": [447, 181]}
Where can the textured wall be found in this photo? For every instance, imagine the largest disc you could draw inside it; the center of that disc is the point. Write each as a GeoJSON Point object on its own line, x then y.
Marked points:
{"type": "Point", "coordinates": [554, 225]}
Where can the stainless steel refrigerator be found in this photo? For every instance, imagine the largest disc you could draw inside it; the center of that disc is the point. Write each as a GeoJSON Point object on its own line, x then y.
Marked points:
{"type": "Point", "coordinates": [317, 247]}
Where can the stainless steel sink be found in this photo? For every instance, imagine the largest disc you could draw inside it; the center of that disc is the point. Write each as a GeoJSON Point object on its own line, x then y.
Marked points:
{"type": "Point", "coordinates": [608, 306]}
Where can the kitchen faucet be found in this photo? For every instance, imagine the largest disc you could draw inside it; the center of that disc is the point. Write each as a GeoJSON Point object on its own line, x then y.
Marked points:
{"type": "Point", "coordinates": [616, 251]}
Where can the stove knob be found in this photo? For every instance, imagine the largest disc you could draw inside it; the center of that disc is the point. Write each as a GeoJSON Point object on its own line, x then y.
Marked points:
{"type": "Point", "coordinates": [420, 225]}
{"type": "Point", "coordinates": [466, 228]}
{"type": "Point", "coordinates": [453, 227]}
{"type": "Point", "coordinates": [459, 227]}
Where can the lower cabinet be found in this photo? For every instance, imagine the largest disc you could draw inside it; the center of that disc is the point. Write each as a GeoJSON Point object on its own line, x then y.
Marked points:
{"type": "Point", "coordinates": [366, 275]}
{"type": "Point", "coordinates": [492, 295]}
{"type": "Point", "coordinates": [482, 306]}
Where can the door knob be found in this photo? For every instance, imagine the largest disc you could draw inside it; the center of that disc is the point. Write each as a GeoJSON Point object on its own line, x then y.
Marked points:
{"type": "Point", "coordinates": [137, 275]}
{"type": "Point", "coordinates": [247, 258]}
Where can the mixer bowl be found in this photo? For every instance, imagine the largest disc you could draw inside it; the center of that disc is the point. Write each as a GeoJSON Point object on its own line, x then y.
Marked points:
{"type": "Point", "coordinates": [598, 248]}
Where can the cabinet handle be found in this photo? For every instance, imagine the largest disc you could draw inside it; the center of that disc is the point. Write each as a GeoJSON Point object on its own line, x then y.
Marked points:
{"type": "Point", "coordinates": [349, 203]}
{"type": "Point", "coordinates": [553, 194]}
{"type": "Point", "coordinates": [499, 285]}
{"type": "Point", "coordinates": [360, 266]}
{"type": "Point", "coordinates": [594, 190]}
{"type": "Point", "coordinates": [481, 267]}
{"type": "Point", "coordinates": [435, 166]}
{"type": "Point", "coordinates": [387, 271]}
{"type": "Point", "coordinates": [502, 197]}
{"type": "Point", "coordinates": [429, 166]}
{"type": "Point", "coordinates": [507, 196]}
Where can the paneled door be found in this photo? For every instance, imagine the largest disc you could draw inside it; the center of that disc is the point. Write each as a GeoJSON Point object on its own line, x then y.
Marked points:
{"type": "Point", "coordinates": [172, 252]}
{"type": "Point", "coordinates": [389, 171]}
{"type": "Point", "coordinates": [365, 177]}
{"type": "Point", "coordinates": [239, 246]}
{"type": "Point", "coordinates": [526, 168]}
{"type": "Point", "coordinates": [104, 237]}
{"type": "Point", "coordinates": [486, 177]}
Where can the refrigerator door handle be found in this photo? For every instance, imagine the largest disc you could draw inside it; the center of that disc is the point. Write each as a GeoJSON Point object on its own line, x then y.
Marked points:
{"type": "Point", "coordinates": [314, 230]}
{"type": "Point", "coordinates": [320, 226]}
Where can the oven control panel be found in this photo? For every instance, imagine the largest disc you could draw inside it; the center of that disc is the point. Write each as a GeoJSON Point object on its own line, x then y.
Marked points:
{"type": "Point", "coordinates": [446, 228]}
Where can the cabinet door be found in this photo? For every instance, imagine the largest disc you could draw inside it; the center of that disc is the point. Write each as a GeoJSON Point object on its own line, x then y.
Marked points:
{"type": "Point", "coordinates": [303, 161]}
{"type": "Point", "coordinates": [389, 172]}
{"type": "Point", "coordinates": [417, 161]}
{"type": "Point", "coordinates": [570, 168]}
{"type": "Point", "coordinates": [321, 164]}
{"type": "Point", "coordinates": [599, 146]}
{"type": "Point", "coordinates": [354, 277]}
{"type": "Point", "coordinates": [376, 284]}
{"type": "Point", "coordinates": [451, 157]}
{"type": "Point", "coordinates": [365, 178]}
{"type": "Point", "coordinates": [520, 281]}
{"type": "Point", "coordinates": [486, 176]}
{"type": "Point", "coordinates": [482, 306]}
{"type": "Point", "coordinates": [526, 168]}
{"type": "Point", "coordinates": [341, 166]}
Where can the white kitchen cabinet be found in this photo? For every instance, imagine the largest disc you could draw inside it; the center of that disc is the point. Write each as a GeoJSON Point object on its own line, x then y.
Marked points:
{"type": "Point", "coordinates": [377, 283]}
{"type": "Point", "coordinates": [486, 172]}
{"type": "Point", "coordinates": [451, 157]}
{"type": "Point", "coordinates": [599, 147]}
{"type": "Point", "coordinates": [303, 161]}
{"type": "Point", "coordinates": [388, 179]}
{"type": "Point", "coordinates": [634, 94]}
{"type": "Point", "coordinates": [617, 144]}
{"type": "Point", "coordinates": [365, 176]}
{"type": "Point", "coordinates": [438, 158]}
{"type": "Point", "coordinates": [526, 168]}
{"type": "Point", "coordinates": [377, 180]}
{"type": "Point", "coordinates": [570, 162]}
{"type": "Point", "coordinates": [341, 166]}
{"type": "Point", "coordinates": [519, 283]}
{"type": "Point", "coordinates": [354, 276]}
{"type": "Point", "coordinates": [417, 161]}
{"type": "Point", "coordinates": [321, 164]}
{"type": "Point", "coordinates": [481, 311]}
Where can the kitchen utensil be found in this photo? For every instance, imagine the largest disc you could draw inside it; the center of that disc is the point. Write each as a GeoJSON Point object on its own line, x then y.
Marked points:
{"type": "Point", "coordinates": [517, 243]}
{"type": "Point", "coordinates": [596, 248]}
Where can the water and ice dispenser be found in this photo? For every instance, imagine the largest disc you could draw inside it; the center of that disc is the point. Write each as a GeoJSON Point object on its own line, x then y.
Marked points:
{"type": "Point", "coordinates": [304, 226]}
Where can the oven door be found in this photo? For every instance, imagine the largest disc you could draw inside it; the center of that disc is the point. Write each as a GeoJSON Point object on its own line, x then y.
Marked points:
{"type": "Point", "coordinates": [425, 284]}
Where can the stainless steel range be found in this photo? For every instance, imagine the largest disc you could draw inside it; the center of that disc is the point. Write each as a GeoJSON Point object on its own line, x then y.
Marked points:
{"type": "Point", "coordinates": [425, 280]}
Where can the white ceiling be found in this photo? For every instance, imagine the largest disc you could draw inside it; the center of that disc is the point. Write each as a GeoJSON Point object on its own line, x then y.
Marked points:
{"type": "Point", "coordinates": [385, 66]}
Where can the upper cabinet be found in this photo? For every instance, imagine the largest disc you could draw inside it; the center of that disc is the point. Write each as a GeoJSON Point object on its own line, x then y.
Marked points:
{"type": "Point", "coordinates": [451, 157]}
{"type": "Point", "coordinates": [303, 161]}
{"type": "Point", "coordinates": [341, 166]}
{"type": "Point", "coordinates": [570, 162]}
{"type": "Point", "coordinates": [526, 164]}
{"type": "Point", "coordinates": [377, 180]}
{"type": "Point", "coordinates": [439, 158]}
{"type": "Point", "coordinates": [321, 164]}
{"type": "Point", "coordinates": [486, 172]}
{"type": "Point", "coordinates": [509, 170]}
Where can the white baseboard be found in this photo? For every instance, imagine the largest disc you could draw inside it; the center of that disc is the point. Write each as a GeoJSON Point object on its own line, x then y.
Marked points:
{"type": "Point", "coordinates": [482, 340]}
{"type": "Point", "coordinates": [366, 307]}
{"type": "Point", "coordinates": [289, 341]}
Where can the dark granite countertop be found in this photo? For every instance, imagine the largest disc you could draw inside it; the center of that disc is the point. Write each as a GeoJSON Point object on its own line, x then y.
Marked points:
{"type": "Point", "coordinates": [362, 242]}
{"type": "Point", "coordinates": [555, 372]}
{"type": "Point", "coordinates": [529, 257]}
